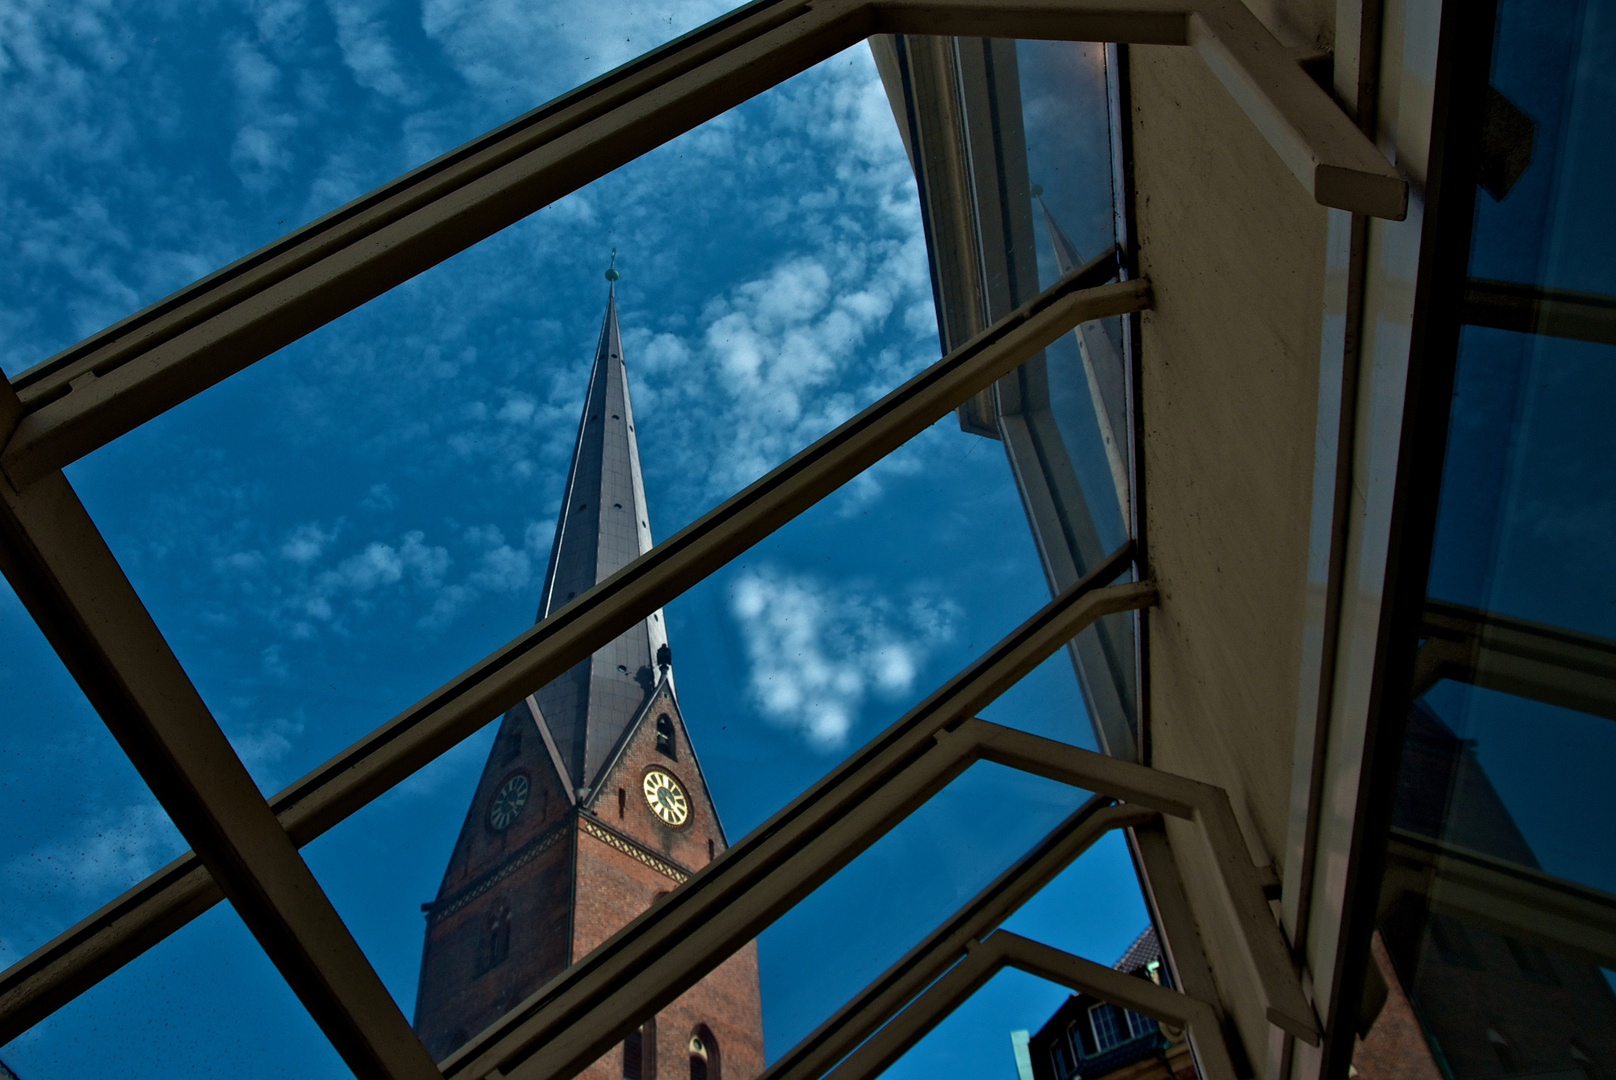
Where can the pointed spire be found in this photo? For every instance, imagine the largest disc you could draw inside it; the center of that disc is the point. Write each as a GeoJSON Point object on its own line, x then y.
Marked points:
{"type": "Point", "coordinates": [603, 525]}
{"type": "Point", "coordinates": [1066, 257]}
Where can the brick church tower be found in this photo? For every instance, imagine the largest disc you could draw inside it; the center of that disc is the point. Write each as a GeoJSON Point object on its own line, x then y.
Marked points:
{"type": "Point", "coordinates": [592, 803]}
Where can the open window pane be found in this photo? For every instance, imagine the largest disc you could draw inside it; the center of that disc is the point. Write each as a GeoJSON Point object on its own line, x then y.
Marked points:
{"type": "Point", "coordinates": [1017, 164]}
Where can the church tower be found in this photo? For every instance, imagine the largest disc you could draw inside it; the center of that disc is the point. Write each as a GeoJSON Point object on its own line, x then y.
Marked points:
{"type": "Point", "coordinates": [592, 803]}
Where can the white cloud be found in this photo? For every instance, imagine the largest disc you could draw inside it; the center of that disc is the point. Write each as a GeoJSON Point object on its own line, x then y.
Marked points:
{"type": "Point", "coordinates": [306, 543]}
{"type": "Point", "coordinates": [779, 359]}
{"type": "Point", "coordinates": [494, 44]}
{"type": "Point", "coordinates": [504, 569]}
{"type": "Point", "coordinates": [383, 564]}
{"type": "Point", "coordinates": [819, 649]}
{"type": "Point", "coordinates": [263, 745]}
{"type": "Point", "coordinates": [367, 49]}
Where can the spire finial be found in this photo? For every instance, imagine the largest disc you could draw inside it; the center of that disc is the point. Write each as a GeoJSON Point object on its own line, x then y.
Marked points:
{"type": "Point", "coordinates": [611, 271]}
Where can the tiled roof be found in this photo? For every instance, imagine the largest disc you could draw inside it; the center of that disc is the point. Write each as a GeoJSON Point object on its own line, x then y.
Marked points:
{"type": "Point", "coordinates": [1144, 950]}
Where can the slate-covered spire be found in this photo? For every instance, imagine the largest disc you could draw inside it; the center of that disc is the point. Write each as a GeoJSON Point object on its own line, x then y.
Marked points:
{"type": "Point", "coordinates": [601, 527]}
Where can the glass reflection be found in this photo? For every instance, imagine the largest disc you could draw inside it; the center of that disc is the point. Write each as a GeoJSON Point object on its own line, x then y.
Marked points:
{"type": "Point", "coordinates": [1013, 151]}
{"type": "Point", "coordinates": [1493, 937]}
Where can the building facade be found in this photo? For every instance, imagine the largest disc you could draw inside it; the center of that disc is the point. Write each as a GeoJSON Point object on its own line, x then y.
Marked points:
{"type": "Point", "coordinates": [1089, 1038]}
{"type": "Point", "coordinates": [592, 804]}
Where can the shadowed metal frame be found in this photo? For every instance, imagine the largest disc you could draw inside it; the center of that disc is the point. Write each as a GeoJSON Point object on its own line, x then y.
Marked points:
{"type": "Point", "coordinates": [592, 1005]}
{"type": "Point", "coordinates": [246, 847]}
{"type": "Point", "coordinates": [917, 969]}
{"type": "Point", "coordinates": [985, 959]}
{"type": "Point", "coordinates": [97, 946]}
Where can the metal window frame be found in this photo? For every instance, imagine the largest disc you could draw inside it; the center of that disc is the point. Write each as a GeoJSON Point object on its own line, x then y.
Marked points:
{"type": "Point", "coordinates": [865, 1012]}
{"type": "Point", "coordinates": [1003, 949]}
{"type": "Point", "coordinates": [69, 964]}
{"type": "Point", "coordinates": [245, 847]}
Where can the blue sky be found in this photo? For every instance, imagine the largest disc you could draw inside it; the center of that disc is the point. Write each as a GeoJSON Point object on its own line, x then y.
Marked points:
{"type": "Point", "coordinates": [339, 529]}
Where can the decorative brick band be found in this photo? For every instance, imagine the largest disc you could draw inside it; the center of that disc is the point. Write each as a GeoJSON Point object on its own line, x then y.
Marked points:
{"type": "Point", "coordinates": [518, 859]}
{"type": "Point", "coordinates": [633, 850]}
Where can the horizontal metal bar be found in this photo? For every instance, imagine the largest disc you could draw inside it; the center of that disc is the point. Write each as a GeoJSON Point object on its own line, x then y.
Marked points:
{"type": "Point", "coordinates": [1518, 901]}
{"type": "Point", "coordinates": [878, 1002]}
{"type": "Point", "coordinates": [70, 583]}
{"type": "Point", "coordinates": [1004, 949]}
{"type": "Point", "coordinates": [120, 931]}
{"type": "Point", "coordinates": [118, 379]}
{"type": "Point", "coordinates": [1530, 309]}
{"type": "Point", "coordinates": [1534, 660]}
{"type": "Point", "coordinates": [586, 1009]}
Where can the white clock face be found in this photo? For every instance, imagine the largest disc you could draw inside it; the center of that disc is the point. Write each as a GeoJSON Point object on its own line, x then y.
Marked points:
{"type": "Point", "coordinates": [666, 798]}
{"type": "Point", "coordinates": [508, 802]}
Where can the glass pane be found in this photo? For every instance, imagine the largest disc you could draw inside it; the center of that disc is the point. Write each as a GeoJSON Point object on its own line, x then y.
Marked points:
{"type": "Point", "coordinates": [147, 145]}
{"type": "Point", "coordinates": [331, 534]}
{"type": "Point", "coordinates": [894, 894]}
{"type": "Point", "coordinates": [204, 1003]}
{"type": "Point", "coordinates": [81, 825]}
{"type": "Point", "coordinates": [1543, 215]}
{"type": "Point", "coordinates": [1022, 128]}
{"type": "Point", "coordinates": [1494, 911]}
{"type": "Point", "coordinates": [789, 668]}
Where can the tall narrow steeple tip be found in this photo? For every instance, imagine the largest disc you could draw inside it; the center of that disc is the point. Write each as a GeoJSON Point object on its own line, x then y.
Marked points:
{"type": "Point", "coordinates": [611, 271]}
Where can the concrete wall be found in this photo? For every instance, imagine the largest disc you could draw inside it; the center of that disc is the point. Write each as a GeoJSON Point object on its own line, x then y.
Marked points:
{"type": "Point", "coordinates": [1234, 249]}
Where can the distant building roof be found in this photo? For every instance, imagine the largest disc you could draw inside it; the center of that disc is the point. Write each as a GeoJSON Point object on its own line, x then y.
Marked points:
{"type": "Point", "coordinates": [1144, 951]}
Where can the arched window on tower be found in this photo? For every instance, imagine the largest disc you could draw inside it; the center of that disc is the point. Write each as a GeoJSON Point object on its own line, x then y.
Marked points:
{"type": "Point", "coordinates": [633, 1055]}
{"type": "Point", "coordinates": [496, 943]}
{"type": "Point", "coordinates": [639, 1052]}
{"type": "Point", "coordinates": [704, 1062]}
{"type": "Point", "coordinates": [664, 736]}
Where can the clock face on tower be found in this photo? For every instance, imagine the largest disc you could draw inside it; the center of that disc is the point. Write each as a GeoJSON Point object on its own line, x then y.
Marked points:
{"type": "Point", "coordinates": [666, 798]}
{"type": "Point", "coordinates": [508, 802]}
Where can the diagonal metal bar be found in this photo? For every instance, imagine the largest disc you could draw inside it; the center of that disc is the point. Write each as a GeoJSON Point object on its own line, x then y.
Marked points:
{"type": "Point", "coordinates": [582, 1012]}
{"type": "Point", "coordinates": [1244, 901]}
{"type": "Point", "coordinates": [97, 946]}
{"type": "Point", "coordinates": [110, 383]}
{"type": "Point", "coordinates": [1003, 949]}
{"type": "Point", "coordinates": [588, 1008]}
{"type": "Point", "coordinates": [65, 575]}
{"type": "Point", "coordinates": [878, 1002]}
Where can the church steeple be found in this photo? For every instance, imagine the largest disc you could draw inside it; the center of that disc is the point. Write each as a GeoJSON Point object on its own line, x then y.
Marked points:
{"type": "Point", "coordinates": [603, 525]}
{"type": "Point", "coordinates": [592, 802]}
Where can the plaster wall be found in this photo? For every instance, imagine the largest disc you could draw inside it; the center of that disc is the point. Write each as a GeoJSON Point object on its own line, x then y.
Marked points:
{"type": "Point", "coordinates": [1235, 251]}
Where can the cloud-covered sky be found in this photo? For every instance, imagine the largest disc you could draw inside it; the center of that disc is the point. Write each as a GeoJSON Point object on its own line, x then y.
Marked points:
{"type": "Point", "coordinates": [347, 524]}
